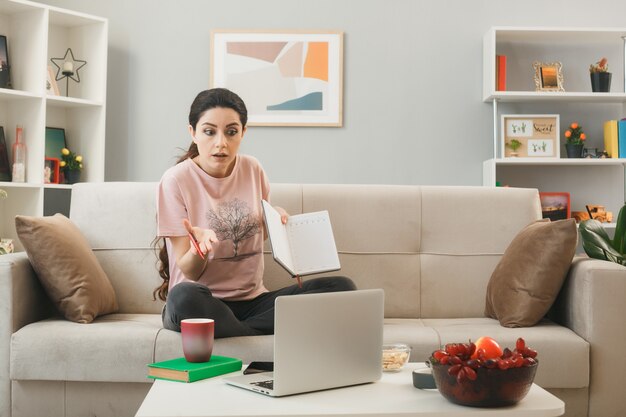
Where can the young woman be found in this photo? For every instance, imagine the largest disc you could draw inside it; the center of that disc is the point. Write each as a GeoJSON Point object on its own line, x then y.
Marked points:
{"type": "Point", "coordinates": [213, 196]}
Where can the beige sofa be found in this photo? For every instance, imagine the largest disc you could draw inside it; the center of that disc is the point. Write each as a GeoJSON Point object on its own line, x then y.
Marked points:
{"type": "Point", "coordinates": [432, 249]}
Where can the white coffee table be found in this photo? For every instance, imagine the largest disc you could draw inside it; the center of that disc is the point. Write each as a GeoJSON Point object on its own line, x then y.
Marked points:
{"type": "Point", "coordinates": [393, 395]}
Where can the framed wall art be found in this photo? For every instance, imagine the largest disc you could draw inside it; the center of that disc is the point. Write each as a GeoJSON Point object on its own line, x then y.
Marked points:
{"type": "Point", "coordinates": [530, 136]}
{"type": "Point", "coordinates": [286, 78]}
{"type": "Point", "coordinates": [548, 76]}
{"type": "Point", "coordinates": [555, 206]}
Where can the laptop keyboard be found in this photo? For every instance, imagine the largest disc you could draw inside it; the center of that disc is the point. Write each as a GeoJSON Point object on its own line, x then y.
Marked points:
{"type": "Point", "coordinates": [269, 384]}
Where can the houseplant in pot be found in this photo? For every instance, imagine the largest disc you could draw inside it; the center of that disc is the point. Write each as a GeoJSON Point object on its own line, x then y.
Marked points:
{"type": "Point", "coordinates": [514, 144]}
{"type": "Point", "coordinates": [600, 76]}
{"type": "Point", "coordinates": [71, 165]}
{"type": "Point", "coordinates": [574, 141]}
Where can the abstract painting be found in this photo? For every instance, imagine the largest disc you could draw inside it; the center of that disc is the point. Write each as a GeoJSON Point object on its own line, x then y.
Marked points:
{"type": "Point", "coordinates": [285, 78]}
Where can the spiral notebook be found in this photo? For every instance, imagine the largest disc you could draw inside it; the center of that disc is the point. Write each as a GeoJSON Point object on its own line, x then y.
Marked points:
{"type": "Point", "coordinates": [305, 245]}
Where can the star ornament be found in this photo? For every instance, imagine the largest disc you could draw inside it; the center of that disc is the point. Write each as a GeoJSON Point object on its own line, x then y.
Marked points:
{"type": "Point", "coordinates": [68, 67]}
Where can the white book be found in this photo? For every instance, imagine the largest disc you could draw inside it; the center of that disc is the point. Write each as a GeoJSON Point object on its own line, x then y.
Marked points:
{"type": "Point", "coordinates": [303, 246]}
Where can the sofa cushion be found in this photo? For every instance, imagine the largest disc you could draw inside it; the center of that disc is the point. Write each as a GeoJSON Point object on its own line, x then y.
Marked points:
{"type": "Point", "coordinates": [113, 348]}
{"type": "Point", "coordinates": [563, 356]}
{"type": "Point", "coordinates": [531, 272]}
{"type": "Point", "coordinates": [66, 267]}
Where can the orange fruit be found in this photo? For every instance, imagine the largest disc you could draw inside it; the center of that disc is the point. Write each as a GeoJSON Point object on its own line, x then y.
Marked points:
{"type": "Point", "coordinates": [574, 125]}
{"type": "Point", "coordinates": [491, 348]}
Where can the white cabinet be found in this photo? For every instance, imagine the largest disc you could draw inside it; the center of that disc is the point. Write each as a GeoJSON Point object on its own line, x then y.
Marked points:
{"type": "Point", "coordinates": [589, 181]}
{"type": "Point", "coordinates": [36, 33]}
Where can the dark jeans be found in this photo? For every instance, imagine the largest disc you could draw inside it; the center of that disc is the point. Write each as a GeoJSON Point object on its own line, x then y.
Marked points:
{"type": "Point", "coordinates": [238, 318]}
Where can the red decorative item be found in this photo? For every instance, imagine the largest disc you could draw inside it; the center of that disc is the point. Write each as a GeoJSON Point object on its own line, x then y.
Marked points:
{"type": "Point", "coordinates": [198, 335]}
{"type": "Point", "coordinates": [51, 171]}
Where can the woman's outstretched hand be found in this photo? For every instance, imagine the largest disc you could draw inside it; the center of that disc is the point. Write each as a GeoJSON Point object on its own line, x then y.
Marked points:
{"type": "Point", "coordinates": [201, 239]}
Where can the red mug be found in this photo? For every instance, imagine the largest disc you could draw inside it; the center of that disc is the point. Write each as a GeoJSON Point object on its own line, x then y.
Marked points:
{"type": "Point", "coordinates": [198, 335]}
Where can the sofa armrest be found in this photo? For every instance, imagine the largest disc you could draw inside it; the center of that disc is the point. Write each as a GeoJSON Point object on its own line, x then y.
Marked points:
{"type": "Point", "coordinates": [22, 298]}
{"type": "Point", "coordinates": [22, 301]}
{"type": "Point", "coordinates": [592, 303]}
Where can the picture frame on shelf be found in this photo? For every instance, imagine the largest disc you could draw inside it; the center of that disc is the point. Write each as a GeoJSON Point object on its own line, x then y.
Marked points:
{"type": "Point", "coordinates": [555, 206]}
{"type": "Point", "coordinates": [5, 65]}
{"type": "Point", "coordinates": [52, 87]}
{"type": "Point", "coordinates": [548, 76]}
{"type": "Point", "coordinates": [51, 171]}
{"type": "Point", "coordinates": [530, 136]}
{"type": "Point", "coordinates": [55, 142]}
{"type": "Point", "coordinates": [5, 166]}
{"type": "Point", "coordinates": [286, 78]}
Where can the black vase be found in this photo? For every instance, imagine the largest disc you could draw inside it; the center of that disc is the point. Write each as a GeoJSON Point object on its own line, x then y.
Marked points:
{"type": "Point", "coordinates": [574, 150]}
{"type": "Point", "coordinates": [600, 82]}
{"type": "Point", "coordinates": [72, 177]}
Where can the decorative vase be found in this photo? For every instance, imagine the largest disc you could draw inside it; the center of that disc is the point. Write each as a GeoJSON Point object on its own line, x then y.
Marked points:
{"type": "Point", "coordinates": [72, 177]}
{"type": "Point", "coordinates": [600, 82]}
{"type": "Point", "coordinates": [574, 150]}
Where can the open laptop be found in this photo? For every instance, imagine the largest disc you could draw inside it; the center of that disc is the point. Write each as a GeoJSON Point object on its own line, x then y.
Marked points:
{"type": "Point", "coordinates": [322, 341]}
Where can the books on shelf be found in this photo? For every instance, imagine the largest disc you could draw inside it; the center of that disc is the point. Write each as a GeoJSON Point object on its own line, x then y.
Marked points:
{"type": "Point", "coordinates": [180, 370]}
{"type": "Point", "coordinates": [611, 138]}
{"type": "Point", "coordinates": [500, 72]}
{"type": "Point", "coordinates": [615, 138]}
{"type": "Point", "coordinates": [621, 138]}
{"type": "Point", "coordinates": [303, 246]}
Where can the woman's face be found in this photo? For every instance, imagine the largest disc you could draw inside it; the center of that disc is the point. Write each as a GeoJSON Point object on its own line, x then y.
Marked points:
{"type": "Point", "coordinates": [218, 135]}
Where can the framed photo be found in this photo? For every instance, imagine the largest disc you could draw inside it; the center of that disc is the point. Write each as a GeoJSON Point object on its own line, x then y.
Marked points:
{"type": "Point", "coordinates": [287, 78]}
{"type": "Point", "coordinates": [555, 206]}
{"type": "Point", "coordinates": [52, 88]}
{"type": "Point", "coordinates": [530, 136]}
{"type": "Point", "coordinates": [51, 170]}
{"type": "Point", "coordinates": [548, 76]}
{"type": "Point", "coordinates": [5, 166]}
{"type": "Point", "coordinates": [55, 141]}
{"type": "Point", "coordinates": [5, 67]}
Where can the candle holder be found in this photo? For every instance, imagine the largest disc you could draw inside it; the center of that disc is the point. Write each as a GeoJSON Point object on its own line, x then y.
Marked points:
{"type": "Point", "coordinates": [68, 68]}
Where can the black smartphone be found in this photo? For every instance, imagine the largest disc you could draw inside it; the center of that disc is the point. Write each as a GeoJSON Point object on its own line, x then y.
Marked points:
{"type": "Point", "coordinates": [257, 367]}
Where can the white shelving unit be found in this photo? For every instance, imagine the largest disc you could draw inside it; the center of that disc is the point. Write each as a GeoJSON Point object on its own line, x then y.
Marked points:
{"type": "Point", "coordinates": [36, 33]}
{"type": "Point", "coordinates": [589, 181]}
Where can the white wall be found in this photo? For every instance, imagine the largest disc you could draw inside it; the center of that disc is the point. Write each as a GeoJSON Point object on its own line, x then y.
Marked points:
{"type": "Point", "coordinates": [413, 112]}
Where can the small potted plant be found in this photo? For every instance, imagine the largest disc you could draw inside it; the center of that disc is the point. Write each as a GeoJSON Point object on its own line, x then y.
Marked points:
{"type": "Point", "coordinates": [71, 165]}
{"type": "Point", "coordinates": [574, 141]}
{"type": "Point", "coordinates": [600, 76]}
{"type": "Point", "coordinates": [514, 144]}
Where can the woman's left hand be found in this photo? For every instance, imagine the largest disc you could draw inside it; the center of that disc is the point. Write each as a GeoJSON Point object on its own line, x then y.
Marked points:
{"type": "Point", "coordinates": [283, 214]}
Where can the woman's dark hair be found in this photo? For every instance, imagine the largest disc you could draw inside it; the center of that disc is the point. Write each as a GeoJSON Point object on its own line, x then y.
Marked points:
{"type": "Point", "coordinates": [205, 100]}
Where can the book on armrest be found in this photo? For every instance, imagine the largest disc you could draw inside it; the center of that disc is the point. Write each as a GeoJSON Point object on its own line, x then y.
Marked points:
{"type": "Point", "coordinates": [303, 246]}
{"type": "Point", "coordinates": [180, 370]}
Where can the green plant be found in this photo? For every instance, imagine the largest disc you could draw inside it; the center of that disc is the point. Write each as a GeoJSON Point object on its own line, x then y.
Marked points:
{"type": "Point", "coordinates": [70, 161]}
{"type": "Point", "coordinates": [597, 243]}
{"type": "Point", "coordinates": [600, 66]}
{"type": "Point", "coordinates": [514, 144]}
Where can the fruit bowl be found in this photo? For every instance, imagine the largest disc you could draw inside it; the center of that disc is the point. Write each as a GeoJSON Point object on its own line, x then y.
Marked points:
{"type": "Point", "coordinates": [491, 388]}
{"type": "Point", "coordinates": [395, 356]}
{"type": "Point", "coordinates": [482, 374]}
